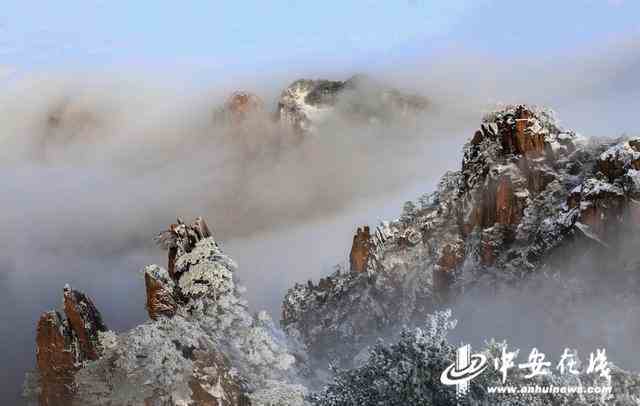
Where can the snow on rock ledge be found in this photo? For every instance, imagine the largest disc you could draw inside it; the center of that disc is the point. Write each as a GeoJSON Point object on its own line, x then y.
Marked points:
{"type": "Point", "coordinates": [306, 104]}
{"type": "Point", "coordinates": [526, 188]}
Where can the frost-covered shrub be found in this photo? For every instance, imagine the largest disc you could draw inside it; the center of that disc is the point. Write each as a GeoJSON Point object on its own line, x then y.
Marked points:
{"type": "Point", "coordinates": [212, 346]}
{"type": "Point", "coordinates": [404, 373]}
{"type": "Point", "coordinates": [256, 347]}
{"type": "Point", "coordinates": [408, 372]}
{"type": "Point", "coordinates": [277, 393]}
{"type": "Point", "coordinates": [205, 270]}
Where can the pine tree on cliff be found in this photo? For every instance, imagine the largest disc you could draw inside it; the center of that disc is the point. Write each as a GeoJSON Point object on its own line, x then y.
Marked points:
{"type": "Point", "coordinates": [404, 373]}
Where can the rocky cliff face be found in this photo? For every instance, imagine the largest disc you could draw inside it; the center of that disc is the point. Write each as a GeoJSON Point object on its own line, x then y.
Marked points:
{"type": "Point", "coordinates": [202, 346]}
{"type": "Point", "coordinates": [307, 104]}
{"type": "Point", "coordinates": [63, 345]}
{"type": "Point", "coordinates": [527, 192]}
{"type": "Point", "coordinates": [526, 189]}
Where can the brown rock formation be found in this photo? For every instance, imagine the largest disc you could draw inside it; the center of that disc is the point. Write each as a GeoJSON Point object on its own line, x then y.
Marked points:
{"type": "Point", "coordinates": [520, 139]}
{"type": "Point", "coordinates": [85, 320]}
{"type": "Point", "coordinates": [62, 346]}
{"type": "Point", "coordinates": [603, 212]}
{"type": "Point", "coordinates": [614, 164]}
{"type": "Point", "coordinates": [501, 217]}
{"type": "Point", "coordinates": [527, 143]}
{"type": "Point", "coordinates": [607, 201]}
{"type": "Point", "coordinates": [360, 250]}
{"type": "Point", "coordinates": [56, 359]}
{"type": "Point", "coordinates": [506, 212]}
{"type": "Point", "coordinates": [497, 203]}
{"type": "Point", "coordinates": [160, 296]}
{"type": "Point", "coordinates": [238, 109]}
{"type": "Point", "coordinates": [497, 194]}
{"type": "Point", "coordinates": [241, 105]}
{"type": "Point", "coordinates": [507, 163]}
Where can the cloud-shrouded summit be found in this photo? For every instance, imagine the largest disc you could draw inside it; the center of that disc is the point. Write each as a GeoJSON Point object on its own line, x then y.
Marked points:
{"type": "Point", "coordinates": [92, 165]}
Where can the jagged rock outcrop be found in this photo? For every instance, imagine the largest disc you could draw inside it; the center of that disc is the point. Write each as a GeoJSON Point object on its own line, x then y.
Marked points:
{"type": "Point", "coordinates": [608, 201]}
{"type": "Point", "coordinates": [359, 255]}
{"type": "Point", "coordinates": [85, 321]}
{"type": "Point", "coordinates": [63, 345]}
{"type": "Point", "coordinates": [305, 103]}
{"type": "Point", "coordinates": [201, 348]}
{"type": "Point", "coordinates": [162, 286]}
{"type": "Point", "coordinates": [161, 300]}
{"type": "Point", "coordinates": [241, 104]}
{"type": "Point", "coordinates": [239, 107]}
{"type": "Point", "coordinates": [526, 188]}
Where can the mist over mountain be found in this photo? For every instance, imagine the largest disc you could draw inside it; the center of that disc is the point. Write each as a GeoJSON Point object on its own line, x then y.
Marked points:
{"type": "Point", "coordinates": [531, 199]}
{"type": "Point", "coordinates": [93, 167]}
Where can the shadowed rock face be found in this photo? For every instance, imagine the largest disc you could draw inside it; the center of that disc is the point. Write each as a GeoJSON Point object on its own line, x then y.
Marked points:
{"type": "Point", "coordinates": [56, 359]}
{"type": "Point", "coordinates": [85, 321]}
{"type": "Point", "coordinates": [526, 188]}
{"type": "Point", "coordinates": [161, 300]}
{"type": "Point", "coordinates": [63, 345]}
{"type": "Point", "coordinates": [359, 255]}
{"type": "Point", "coordinates": [305, 104]}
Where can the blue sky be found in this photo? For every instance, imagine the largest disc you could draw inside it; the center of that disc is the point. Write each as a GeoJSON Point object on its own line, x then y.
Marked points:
{"type": "Point", "coordinates": [249, 35]}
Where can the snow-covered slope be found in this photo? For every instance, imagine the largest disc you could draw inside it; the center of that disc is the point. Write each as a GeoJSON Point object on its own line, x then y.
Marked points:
{"type": "Point", "coordinates": [201, 347]}
{"type": "Point", "coordinates": [527, 189]}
